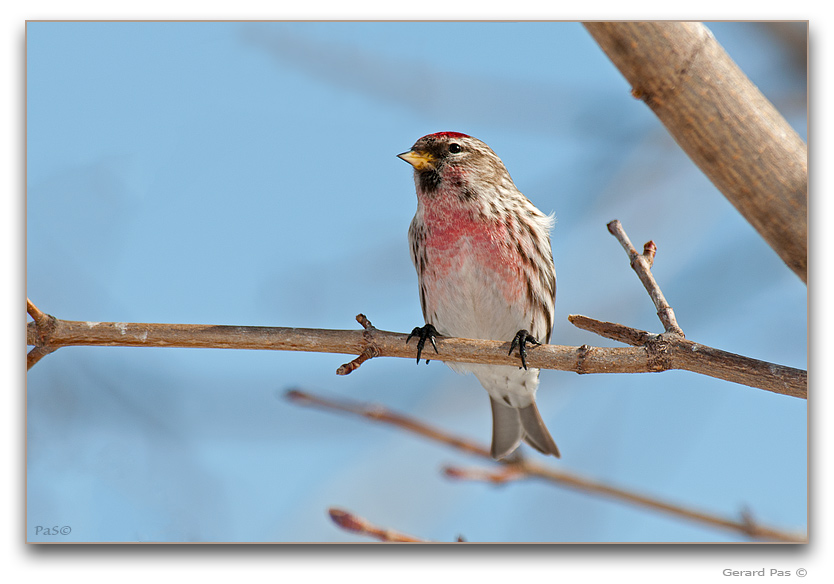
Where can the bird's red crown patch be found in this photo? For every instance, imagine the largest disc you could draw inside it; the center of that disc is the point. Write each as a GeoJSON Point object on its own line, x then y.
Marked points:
{"type": "Point", "coordinates": [450, 135]}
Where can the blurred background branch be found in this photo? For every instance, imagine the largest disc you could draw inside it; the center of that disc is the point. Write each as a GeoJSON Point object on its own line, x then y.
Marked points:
{"type": "Point", "coordinates": [355, 524]}
{"type": "Point", "coordinates": [518, 468]}
{"type": "Point", "coordinates": [722, 121]}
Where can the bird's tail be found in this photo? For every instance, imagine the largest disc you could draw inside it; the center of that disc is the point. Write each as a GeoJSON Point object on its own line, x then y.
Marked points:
{"type": "Point", "coordinates": [512, 425]}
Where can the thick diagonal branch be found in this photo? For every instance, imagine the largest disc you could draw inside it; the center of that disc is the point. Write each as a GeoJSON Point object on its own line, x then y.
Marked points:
{"type": "Point", "coordinates": [722, 121]}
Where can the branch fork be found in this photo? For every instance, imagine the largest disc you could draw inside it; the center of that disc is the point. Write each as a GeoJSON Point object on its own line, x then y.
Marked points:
{"type": "Point", "coordinates": [45, 325]}
{"type": "Point", "coordinates": [369, 352]}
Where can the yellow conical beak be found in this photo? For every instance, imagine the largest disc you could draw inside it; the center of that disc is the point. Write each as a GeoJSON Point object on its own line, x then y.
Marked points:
{"type": "Point", "coordinates": [418, 159]}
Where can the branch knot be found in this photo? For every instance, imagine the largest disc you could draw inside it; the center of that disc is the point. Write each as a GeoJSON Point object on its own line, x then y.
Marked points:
{"type": "Point", "coordinates": [659, 357]}
{"type": "Point", "coordinates": [44, 325]}
{"type": "Point", "coordinates": [581, 353]}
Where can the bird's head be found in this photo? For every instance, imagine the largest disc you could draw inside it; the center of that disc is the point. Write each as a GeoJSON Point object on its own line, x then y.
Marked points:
{"type": "Point", "coordinates": [454, 158]}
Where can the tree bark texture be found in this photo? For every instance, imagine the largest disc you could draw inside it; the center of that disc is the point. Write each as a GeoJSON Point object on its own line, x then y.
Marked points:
{"type": "Point", "coordinates": [659, 354]}
{"type": "Point", "coordinates": [722, 121]}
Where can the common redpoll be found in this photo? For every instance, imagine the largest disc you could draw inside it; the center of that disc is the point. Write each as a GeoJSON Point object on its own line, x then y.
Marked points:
{"type": "Point", "coordinates": [483, 260]}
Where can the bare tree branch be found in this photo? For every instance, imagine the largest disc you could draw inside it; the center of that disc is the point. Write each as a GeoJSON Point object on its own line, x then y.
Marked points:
{"type": "Point", "coordinates": [518, 468]}
{"type": "Point", "coordinates": [665, 349]}
{"type": "Point", "coordinates": [370, 351]}
{"type": "Point", "coordinates": [44, 325]}
{"type": "Point", "coordinates": [386, 416]}
{"type": "Point", "coordinates": [641, 264]}
{"type": "Point", "coordinates": [651, 353]}
{"type": "Point", "coordinates": [722, 121]}
{"type": "Point", "coordinates": [672, 346]}
{"type": "Point", "coordinates": [655, 357]}
{"type": "Point", "coordinates": [353, 523]}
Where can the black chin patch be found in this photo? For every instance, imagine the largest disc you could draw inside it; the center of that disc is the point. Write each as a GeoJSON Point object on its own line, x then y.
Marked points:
{"type": "Point", "coordinates": [429, 180]}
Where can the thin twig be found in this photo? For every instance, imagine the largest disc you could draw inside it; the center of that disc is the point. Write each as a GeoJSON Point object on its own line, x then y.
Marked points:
{"type": "Point", "coordinates": [35, 312]}
{"type": "Point", "coordinates": [641, 264]}
{"type": "Point", "coordinates": [523, 468]}
{"type": "Point", "coordinates": [36, 355]}
{"type": "Point", "coordinates": [369, 352]}
{"type": "Point", "coordinates": [612, 330]}
{"type": "Point", "coordinates": [353, 523]}
{"type": "Point", "coordinates": [507, 474]}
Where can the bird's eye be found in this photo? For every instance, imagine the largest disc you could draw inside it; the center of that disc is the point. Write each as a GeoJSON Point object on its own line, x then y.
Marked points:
{"type": "Point", "coordinates": [454, 148]}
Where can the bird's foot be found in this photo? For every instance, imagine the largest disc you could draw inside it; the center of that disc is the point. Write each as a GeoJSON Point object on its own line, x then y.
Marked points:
{"type": "Point", "coordinates": [520, 340]}
{"type": "Point", "coordinates": [423, 333]}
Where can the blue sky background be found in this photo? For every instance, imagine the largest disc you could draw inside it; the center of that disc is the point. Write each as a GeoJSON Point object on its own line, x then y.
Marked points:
{"type": "Point", "coordinates": [245, 173]}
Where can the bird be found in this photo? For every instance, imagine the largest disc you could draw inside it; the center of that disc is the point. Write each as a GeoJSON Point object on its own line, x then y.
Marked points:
{"type": "Point", "coordinates": [485, 269]}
